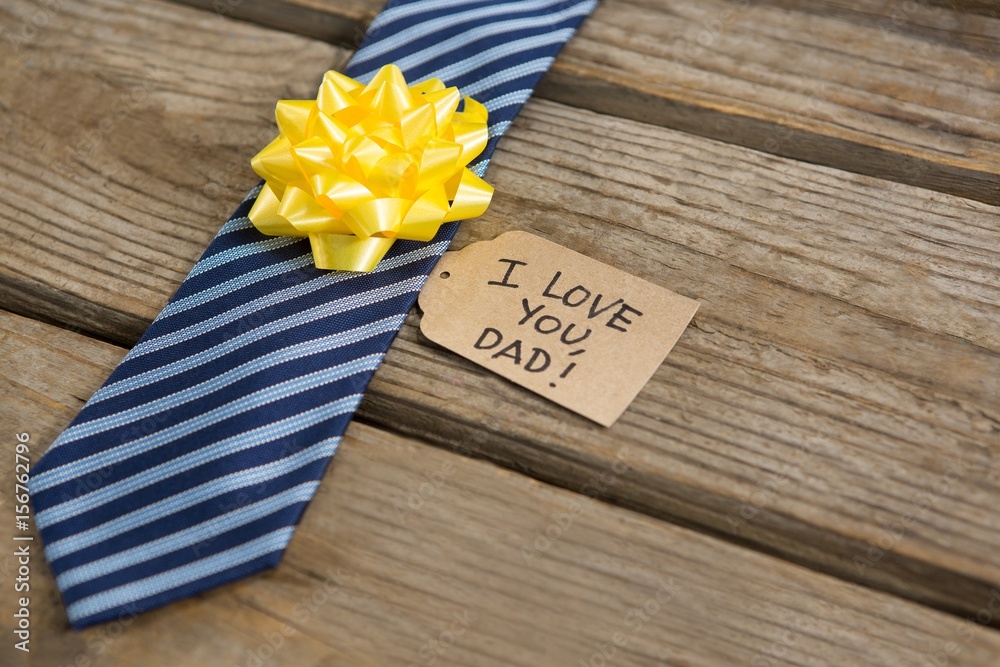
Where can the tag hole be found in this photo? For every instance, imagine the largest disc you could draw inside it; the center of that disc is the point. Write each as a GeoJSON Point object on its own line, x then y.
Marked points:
{"type": "Point", "coordinates": [445, 275]}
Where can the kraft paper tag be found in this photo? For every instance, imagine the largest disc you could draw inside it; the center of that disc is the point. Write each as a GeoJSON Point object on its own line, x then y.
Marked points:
{"type": "Point", "coordinates": [580, 333]}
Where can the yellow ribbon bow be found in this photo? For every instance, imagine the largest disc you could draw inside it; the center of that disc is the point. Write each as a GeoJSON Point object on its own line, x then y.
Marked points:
{"type": "Point", "coordinates": [361, 166]}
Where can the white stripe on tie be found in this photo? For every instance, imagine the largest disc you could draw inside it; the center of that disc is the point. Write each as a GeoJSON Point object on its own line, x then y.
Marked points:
{"type": "Point", "coordinates": [234, 481]}
{"type": "Point", "coordinates": [393, 14]}
{"type": "Point", "coordinates": [239, 252]}
{"type": "Point", "coordinates": [86, 465]}
{"type": "Point", "coordinates": [495, 30]}
{"type": "Point", "coordinates": [234, 443]}
{"type": "Point", "coordinates": [203, 532]}
{"type": "Point", "coordinates": [172, 401]}
{"type": "Point", "coordinates": [225, 317]}
{"type": "Point", "coordinates": [454, 70]}
{"type": "Point", "coordinates": [164, 581]}
{"type": "Point", "coordinates": [425, 28]}
{"type": "Point", "coordinates": [222, 289]}
{"type": "Point", "coordinates": [507, 75]}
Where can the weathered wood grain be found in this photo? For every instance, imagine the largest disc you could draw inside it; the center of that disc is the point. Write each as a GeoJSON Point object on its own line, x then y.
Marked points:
{"type": "Point", "coordinates": [845, 354]}
{"type": "Point", "coordinates": [943, 22]}
{"type": "Point", "coordinates": [406, 545]}
{"type": "Point", "coordinates": [868, 97]}
{"type": "Point", "coordinates": [121, 162]}
{"type": "Point", "coordinates": [899, 90]}
{"type": "Point", "coordinates": [984, 7]}
{"type": "Point", "coordinates": [341, 23]}
{"type": "Point", "coordinates": [817, 399]}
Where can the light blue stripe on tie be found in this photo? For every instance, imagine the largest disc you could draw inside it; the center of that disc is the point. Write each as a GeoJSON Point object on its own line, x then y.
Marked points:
{"type": "Point", "coordinates": [494, 30]}
{"type": "Point", "coordinates": [241, 251]}
{"type": "Point", "coordinates": [497, 129]}
{"type": "Point", "coordinates": [413, 33]}
{"type": "Point", "coordinates": [235, 443]}
{"type": "Point", "coordinates": [222, 289]}
{"type": "Point", "coordinates": [480, 167]}
{"type": "Point", "coordinates": [225, 317]}
{"type": "Point", "coordinates": [454, 70]}
{"type": "Point", "coordinates": [140, 380]}
{"type": "Point", "coordinates": [508, 100]}
{"type": "Point", "coordinates": [235, 225]}
{"type": "Point", "coordinates": [198, 533]}
{"type": "Point", "coordinates": [115, 455]}
{"type": "Point", "coordinates": [254, 191]}
{"type": "Point", "coordinates": [391, 14]}
{"type": "Point", "coordinates": [335, 306]}
{"type": "Point", "coordinates": [177, 399]}
{"type": "Point", "coordinates": [237, 480]}
{"type": "Point", "coordinates": [164, 581]}
{"type": "Point", "coordinates": [509, 74]}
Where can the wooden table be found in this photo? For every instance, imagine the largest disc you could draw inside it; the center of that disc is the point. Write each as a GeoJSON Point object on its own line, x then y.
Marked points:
{"type": "Point", "coordinates": [811, 478]}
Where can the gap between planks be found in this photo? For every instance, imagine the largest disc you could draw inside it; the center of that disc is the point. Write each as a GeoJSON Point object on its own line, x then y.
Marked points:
{"type": "Point", "coordinates": [897, 90]}
{"type": "Point", "coordinates": [405, 543]}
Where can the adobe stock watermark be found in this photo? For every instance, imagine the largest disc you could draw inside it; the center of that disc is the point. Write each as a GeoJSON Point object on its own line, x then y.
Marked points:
{"type": "Point", "coordinates": [100, 639]}
{"type": "Point", "coordinates": [892, 532]}
{"type": "Point", "coordinates": [769, 489]}
{"type": "Point", "coordinates": [418, 495]}
{"type": "Point", "coordinates": [95, 479]}
{"type": "Point", "coordinates": [86, 142]}
{"type": "Point", "coordinates": [220, 181]}
{"type": "Point", "coordinates": [899, 15]}
{"type": "Point", "coordinates": [23, 543]}
{"type": "Point", "coordinates": [304, 609]}
{"type": "Point", "coordinates": [965, 631]}
{"type": "Point", "coordinates": [432, 649]}
{"type": "Point", "coordinates": [779, 647]}
{"type": "Point", "coordinates": [238, 498]}
{"type": "Point", "coordinates": [596, 486]}
{"type": "Point", "coordinates": [29, 27]}
{"type": "Point", "coordinates": [225, 8]}
{"type": "Point", "coordinates": [633, 622]}
{"type": "Point", "coordinates": [712, 29]}
{"type": "Point", "coordinates": [422, 493]}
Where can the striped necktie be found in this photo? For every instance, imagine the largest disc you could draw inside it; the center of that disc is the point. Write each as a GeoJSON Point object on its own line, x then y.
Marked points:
{"type": "Point", "coordinates": [192, 464]}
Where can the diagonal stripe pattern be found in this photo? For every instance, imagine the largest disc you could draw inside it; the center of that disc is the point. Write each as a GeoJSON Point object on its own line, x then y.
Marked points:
{"type": "Point", "coordinates": [193, 463]}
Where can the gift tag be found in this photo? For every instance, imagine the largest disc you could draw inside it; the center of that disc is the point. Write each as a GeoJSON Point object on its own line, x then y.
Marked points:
{"type": "Point", "coordinates": [580, 333]}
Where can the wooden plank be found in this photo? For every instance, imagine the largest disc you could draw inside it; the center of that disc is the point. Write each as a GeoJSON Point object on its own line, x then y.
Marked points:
{"type": "Point", "coordinates": [818, 407]}
{"type": "Point", "coordinates": [129, 128]}
{"type": "Point", "coordinates": [898, 90]}
{"type": "Point", "coordinates": [406, 545]}
{"type": "Point", "coordinates": [859, 95]}
{"type": "Point", "coordinates": [949, 22]}
{"type": "Point", "coordinates": [844, 357]}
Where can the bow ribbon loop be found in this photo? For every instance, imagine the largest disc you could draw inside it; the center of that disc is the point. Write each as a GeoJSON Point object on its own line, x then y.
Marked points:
{"type": "Point", "coordinates": [363, 165]}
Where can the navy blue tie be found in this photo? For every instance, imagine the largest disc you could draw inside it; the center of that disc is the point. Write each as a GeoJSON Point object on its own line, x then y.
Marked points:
{"type": "Point", "coordinates": [193, 463]}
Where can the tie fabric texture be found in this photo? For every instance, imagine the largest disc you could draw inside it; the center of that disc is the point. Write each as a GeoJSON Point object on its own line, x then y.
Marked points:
{"type": "Point", "coordinates": [193, 463]}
